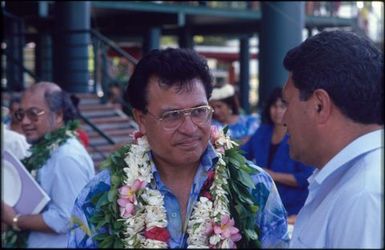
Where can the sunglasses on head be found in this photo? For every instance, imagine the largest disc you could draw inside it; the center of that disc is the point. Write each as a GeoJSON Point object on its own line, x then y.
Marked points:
{"type": "Point", "coordinates": [32, 114]}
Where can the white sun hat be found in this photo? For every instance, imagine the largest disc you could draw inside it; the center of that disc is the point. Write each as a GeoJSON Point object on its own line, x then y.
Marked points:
{"type": "Point", "coordinates": [223, 92]}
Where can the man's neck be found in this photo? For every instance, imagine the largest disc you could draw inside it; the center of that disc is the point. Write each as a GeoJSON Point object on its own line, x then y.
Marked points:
{"type": "Point", "coordinates": [340, 138]}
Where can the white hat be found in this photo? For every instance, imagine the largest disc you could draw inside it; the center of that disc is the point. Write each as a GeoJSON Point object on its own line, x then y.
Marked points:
{"type": "Point", "coordinates": [223, 92]}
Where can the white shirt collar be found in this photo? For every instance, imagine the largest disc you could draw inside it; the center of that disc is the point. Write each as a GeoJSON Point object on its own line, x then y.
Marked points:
{"type": "Point", "coordinates": [360, 145]}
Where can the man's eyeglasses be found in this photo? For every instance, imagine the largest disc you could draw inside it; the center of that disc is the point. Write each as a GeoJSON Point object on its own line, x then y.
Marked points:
{"type": "Point", "coordinates": [171, 120]}
{"type": "Point", "coordinates": [32, 114]}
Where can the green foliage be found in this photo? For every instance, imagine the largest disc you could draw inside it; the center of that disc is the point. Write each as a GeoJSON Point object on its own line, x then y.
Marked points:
{"type": "Point", "coordinates": [244, 206]}
{"type": "Point", "coordinates": [41, 151]}
{"type": "Point", "coordinates": [106, 207]}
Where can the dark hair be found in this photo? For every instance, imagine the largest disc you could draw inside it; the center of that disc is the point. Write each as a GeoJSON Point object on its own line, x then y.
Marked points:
{"type": "Point", "coordinates": [60, 100]}
{"type": "Point", "coordinates": [232, 102]}
{"type": "Point", "coordinates": [174, 67]}
{"type": "Point", "coordinates": [276, 94]}
{"type": "Point", "coordinates": [348, 67]}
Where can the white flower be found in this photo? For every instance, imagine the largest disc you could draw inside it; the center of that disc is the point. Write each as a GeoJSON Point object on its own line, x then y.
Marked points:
{"type": "Point", "coordinates": [149, 243]}
{"type": "Point", "coordinates": [214, 239]}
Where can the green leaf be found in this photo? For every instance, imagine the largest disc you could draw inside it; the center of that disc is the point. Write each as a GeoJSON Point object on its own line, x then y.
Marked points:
{"type": "Point", "coordinates": [112, 194]}
{"type": "Point", "coordinates": [118, 243]}
{"type": "Point", "coordinates": [103, 200]}
{"type": "Point", "coordinates": [245, 179]}
{"type": "Point", "coordinates": [107, 242]}
{"type": "Point", "coordinates": [252, 234]}
{"type": "Point", "coordinates": [116, 180]}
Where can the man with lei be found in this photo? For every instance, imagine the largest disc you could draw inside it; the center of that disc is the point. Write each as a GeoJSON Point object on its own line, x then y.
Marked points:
{"type": "Point", "coordinates": [179, 184]}
{"type": "Point", "coordinates": [60, 164]}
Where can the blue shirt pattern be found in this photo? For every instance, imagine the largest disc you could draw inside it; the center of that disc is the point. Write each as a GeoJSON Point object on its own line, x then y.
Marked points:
{"type": "Point", "coordinates": [257, 150]}
{"type": "Point", "coordinates": [271, 217]}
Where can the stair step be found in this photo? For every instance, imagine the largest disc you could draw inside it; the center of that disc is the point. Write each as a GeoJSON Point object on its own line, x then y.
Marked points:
{"type": "Point", "coordinates": [112, 133]}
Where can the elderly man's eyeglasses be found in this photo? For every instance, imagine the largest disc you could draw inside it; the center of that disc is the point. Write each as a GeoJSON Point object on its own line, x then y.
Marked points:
{"type": "Point", "coordinates": [171, 120]}
{"type": "Point", "coordinates": [32, 114]}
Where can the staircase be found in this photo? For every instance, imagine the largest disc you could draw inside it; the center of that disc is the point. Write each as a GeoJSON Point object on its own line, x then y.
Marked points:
{"type": "Point", "coordinates": [113, 122]}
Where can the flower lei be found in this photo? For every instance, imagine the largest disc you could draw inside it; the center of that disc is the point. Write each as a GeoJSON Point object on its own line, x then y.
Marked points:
{"type": "Point", "coordinates": [40, 153]}
{"type": "Point", "coordinates": [135, 216]}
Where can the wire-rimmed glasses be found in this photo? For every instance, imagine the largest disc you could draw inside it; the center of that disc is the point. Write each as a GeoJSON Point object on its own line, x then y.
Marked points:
{"type": "Point", "coordinates": [32, 114]}
{"type": "Point", "coordinates": [171, 120]}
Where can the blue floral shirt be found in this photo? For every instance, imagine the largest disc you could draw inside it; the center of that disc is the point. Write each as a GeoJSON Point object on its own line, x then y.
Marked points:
{"type": "Point", "coordinates": [271, 217]}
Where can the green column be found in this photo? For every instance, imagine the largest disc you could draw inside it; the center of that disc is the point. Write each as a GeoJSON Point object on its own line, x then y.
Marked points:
{"type": "Point", "coordinates": [151, 40]}
{"type": "Point", "coordinates": [43, 49]}
{"type": "Point", "coordinates": [14, 38]}
{"type": "Point", "coordinates": [43, 56]}
{"type": "Point", "coordinates": [281, 29]}
{"type": "Point", "coordinates": [71, 41]}
{"type": "Point", "coordinates": [244, 74]}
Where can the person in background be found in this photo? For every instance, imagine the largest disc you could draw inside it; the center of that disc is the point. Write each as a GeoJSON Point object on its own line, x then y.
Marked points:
{"type": "Point", "coordinates": [227, 113]}
{"type": "Point", "coordinates": [62, 164]}
{"type": "Point", "coordinates": [14, 124]}
{"type": "Point", "coordinates": [156, 191]}
{"type": "Point", "coordinates": [11, 140]}
{"type": "Point", "coordinates": [269, 149]}
{"type": "Point", "coordinates": [335, 120]}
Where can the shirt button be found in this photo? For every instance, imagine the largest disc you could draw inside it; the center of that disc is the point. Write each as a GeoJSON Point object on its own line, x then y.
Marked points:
{"type": "Point", "coordinates": [173, 215]}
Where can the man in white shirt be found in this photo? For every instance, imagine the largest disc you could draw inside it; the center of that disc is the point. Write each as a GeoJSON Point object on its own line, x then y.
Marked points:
{"type": "Point", "coordinates": [334, 116]}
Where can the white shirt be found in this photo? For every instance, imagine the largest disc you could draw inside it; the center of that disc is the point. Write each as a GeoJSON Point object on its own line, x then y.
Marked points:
{"type": "Point", "coordinates": [15, 143]}
{"type": "Point", "coordinates": [344, 208]}
{"type": "Point", "coordinates": [65, 173]}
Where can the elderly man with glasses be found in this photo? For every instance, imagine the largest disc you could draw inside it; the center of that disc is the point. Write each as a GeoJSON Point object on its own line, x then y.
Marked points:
{"type": "Point", "coordinates": [179, 183]}
{"type": "Point", "coordinates": [62, 166]}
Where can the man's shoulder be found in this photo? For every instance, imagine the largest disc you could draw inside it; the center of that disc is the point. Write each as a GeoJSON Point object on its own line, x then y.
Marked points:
{"type": "Point", "coordinates": [72, 148]}
{"type": "Point", "coordinates": [260, 176]}
{"type": "Point", "coordinates": [99, 183]}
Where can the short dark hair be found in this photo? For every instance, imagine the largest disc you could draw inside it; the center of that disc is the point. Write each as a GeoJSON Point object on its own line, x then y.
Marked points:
{"type": "Point", "coordinates": [60, 100]}
{"type": "Point", "coordinates": [276, 94]}
{"type": "Point", "coordinates": [174, 67]}
{"type": "Point", "coordinates": [347, 66]}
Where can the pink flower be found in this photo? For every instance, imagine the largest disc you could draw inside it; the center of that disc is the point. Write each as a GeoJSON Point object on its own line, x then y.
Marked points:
{"type": "Point", "coordinates": [227, 230]}
{"type": "Point", "coordinates": [127, 197]}
{"type": "Point", "coordinates": [126, 208]}
{"type": "Point", "coordinates": [214, 134]}
{"type": "Point", "coordinates": [129, 192]}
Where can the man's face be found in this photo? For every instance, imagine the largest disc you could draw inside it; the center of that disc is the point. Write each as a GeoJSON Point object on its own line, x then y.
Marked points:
{"type": "Point", "coordinates": [36, 126]}
{"type": "Point", "coordinates": [299, 122]}
{"type": "Point", "coordinates": [186, 143]}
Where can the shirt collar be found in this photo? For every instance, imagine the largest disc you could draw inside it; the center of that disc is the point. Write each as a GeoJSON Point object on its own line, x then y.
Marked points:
{"type": "Point", "coordinates": [371, 140]}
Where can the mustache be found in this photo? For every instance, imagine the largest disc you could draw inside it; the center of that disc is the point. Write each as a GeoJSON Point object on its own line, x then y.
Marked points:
{"type": "Point", "coordinates": [187, 139]}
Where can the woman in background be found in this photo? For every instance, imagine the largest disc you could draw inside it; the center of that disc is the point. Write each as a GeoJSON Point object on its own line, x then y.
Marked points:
{"type": "Point", "coordinates": [269, 149]}
{"type": "Point", "coordinates": [227, 113]}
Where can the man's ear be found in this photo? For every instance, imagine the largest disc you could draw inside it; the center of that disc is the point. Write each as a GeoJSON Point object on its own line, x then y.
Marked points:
{"type": "Point", "coordinates": [140, 119]}
{"type": "Point", "coordinates": [322, 105]}
{"type": "Point", "coordinates": [59, 119]}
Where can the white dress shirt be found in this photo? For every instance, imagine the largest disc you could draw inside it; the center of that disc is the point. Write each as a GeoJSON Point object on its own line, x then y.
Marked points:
{"type": "Point", "coordinates": [65, 173]}
{"type": "Point", "coordinates": [344, 208]}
